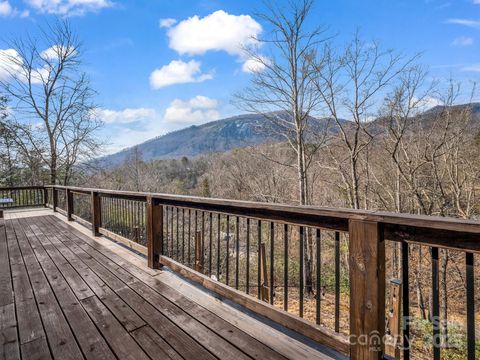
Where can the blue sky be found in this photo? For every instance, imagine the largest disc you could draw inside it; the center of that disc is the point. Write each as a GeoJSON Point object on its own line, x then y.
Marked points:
{"type": "Point", "coordinates": [156, 76]}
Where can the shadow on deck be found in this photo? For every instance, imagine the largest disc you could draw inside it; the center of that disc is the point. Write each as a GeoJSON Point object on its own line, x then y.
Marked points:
{"type": "Point", "coordinates": [67, 295]}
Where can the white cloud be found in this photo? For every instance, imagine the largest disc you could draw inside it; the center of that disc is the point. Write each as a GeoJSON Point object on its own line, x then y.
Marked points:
{"type": "Point", "coordinates": [218, 31]}
{"type": "Point", "coordinates": [428, 102]}
{"type": "Point", "coordinates": [253, 65]}
{"type": "Point", "coordinates": [69, 7]}
{"type": "Point", "coordinates": [180, 113]}
{"type": "Point", "coordinates": [198, 110]}
{"type": "Point", "coordinates": [56, 52]}
{"type": "Point", "coordinates": [476, 2]}
{"type": "Point", "coordinates": [125, 116]}
{"type": "Point", "coordinates": [11, 66]}
{"type": "Point", "coordinates": [178, 72]}
{"type": "Point", "coordinates": [465, 22]}
{"type": "Point", "coordinates": [462, 41]}
{"type": "Point", "coordinates": [10, 63]}
{"type": "Point", "coordinates": [5, 8]}
{"type": "Point", "coordinates": [167, 23]}
{"type": "Point", "coordinates": [472, 68]}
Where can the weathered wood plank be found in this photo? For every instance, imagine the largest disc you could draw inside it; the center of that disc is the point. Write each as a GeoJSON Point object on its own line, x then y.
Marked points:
{"type": "Point", "coordinates": [31, 333]}
{"type": "Point", "coordinates": [91, 342]}
{"type": "Point", "coordinates": [61, 340]}
{"type": "Point", "coordinates": [120, 341]}
{"type": "Point", "coordinates": [9, 347]}
{"type": "Point", "coordinates": [153, 344]}
{"type": "Point", "coordinates": [6, 289]}
{"type": "Point", "coordinates": [126, 316]}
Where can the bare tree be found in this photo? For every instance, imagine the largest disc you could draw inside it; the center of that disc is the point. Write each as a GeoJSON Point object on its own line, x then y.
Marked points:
{"type": "Point", "coordinates": [281, 89]}
{"type": "Point", "coordinates": [283, 92]}
{"type": "Point", "coordinates": [350, 84]}
{"type": "Point", "coordinates": [52, 99]}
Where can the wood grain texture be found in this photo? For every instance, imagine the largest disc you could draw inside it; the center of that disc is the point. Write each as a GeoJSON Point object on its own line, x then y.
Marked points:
{"type": "Point", "coordinates": [367, 289]}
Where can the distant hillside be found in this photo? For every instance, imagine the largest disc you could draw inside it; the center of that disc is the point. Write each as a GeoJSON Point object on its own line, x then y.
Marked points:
{"type": "Point", "coordinates": [223, 135]}
{"type": "Point", "coordinates": [216, 136]}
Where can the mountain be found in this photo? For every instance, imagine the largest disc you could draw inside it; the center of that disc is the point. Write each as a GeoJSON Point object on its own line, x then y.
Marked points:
{"type": "Point", "coordinates": [216, 136]}
{"type": "Point", "coordinates": [231, 133]}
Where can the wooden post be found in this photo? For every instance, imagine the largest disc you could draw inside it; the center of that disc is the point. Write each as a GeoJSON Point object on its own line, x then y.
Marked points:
{"type": "Point", "coordinates": [96, 212]}
{"type": "Point", "coordinates": [55, 199]}
{"type": "Point", "coordinates": [392, 347]}
{"type": "Point", "coordinates": [69, 203]}
{"type": "Point", "coordinates": [367, 289]}
{"type": "Point", "coordinates": [264, 289]}
{"type": "Point", "coordinates": [45, 197]}
{"type": "Point", "coordinates": [199, 254]}
{"type": "Point", "coordinates": [154, 232]}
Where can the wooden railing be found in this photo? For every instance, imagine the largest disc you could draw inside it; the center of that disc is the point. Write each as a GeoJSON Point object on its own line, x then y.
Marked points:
{"type": "Point", "coordinates": [22, 196]}
{"type": "Point", "coordinates": [318, 271]}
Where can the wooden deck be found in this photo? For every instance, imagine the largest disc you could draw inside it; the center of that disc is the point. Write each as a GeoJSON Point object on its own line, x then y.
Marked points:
{"type": "Point", "coordinates": [67, 295]}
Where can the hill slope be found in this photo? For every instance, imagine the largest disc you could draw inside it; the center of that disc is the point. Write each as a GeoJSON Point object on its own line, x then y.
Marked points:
{"type": "Point", "coordinates": [216, 136]}
{"type": "Point", "coordinates": [227, 134]}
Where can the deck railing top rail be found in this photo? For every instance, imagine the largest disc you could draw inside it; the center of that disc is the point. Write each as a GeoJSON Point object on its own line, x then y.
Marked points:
{"type": "Point", "coordinates": [453, 233]}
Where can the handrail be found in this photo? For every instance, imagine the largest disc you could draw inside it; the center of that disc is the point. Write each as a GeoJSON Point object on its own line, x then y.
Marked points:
{"type": "Point", "coordinates": [446, 232]}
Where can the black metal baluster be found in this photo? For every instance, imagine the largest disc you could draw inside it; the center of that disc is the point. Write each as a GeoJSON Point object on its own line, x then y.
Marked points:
{"type": "Point", "coordinates": [237, 250]}
{"type": "Point", "coordinates": [171, 233]}
{"type": "Point", "coordinates": [195, 234]}
{"type": "Point", "coordinates": [470, 284]}
{"type": "Point", "coordinates": [337, 281]}
{"type": "Point", "coordinates": [189, 235]}
{"type": "Point", "coordinates": [259, 278]}
{"type": "Point", "coordinates": [319, 285]}
{"type": "Point", "coordinates": [167, 230]}
{"type": "Point", "coordinates": [202, 242]}
{"type": "Point", "coordinates": [183, 235]}
{"type": "Point", "coordinates": [272, 259]}
{"type": "Point", "coordinates": [218, 247]}
{"type": "Point", "coordinates": [285, 267]}
{"type": "Point", "coordinates": [177, 256]}
{"type": "Point", "coordinates": [405, 301]}
{"type": "Point", "coordinates": [301, 271]}
{"type": "Point", "coordinates": [227, 270]}
{"type": "Point", "coordinates": [210, 240]}
{"type": "Point", "coordinates": [247, 275]}
{"type": "Point", "coordinates": [435, 304]}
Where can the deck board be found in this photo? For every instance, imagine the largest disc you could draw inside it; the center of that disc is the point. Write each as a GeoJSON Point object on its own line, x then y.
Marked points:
{"type": "Point", "coordinates": [86, 300]}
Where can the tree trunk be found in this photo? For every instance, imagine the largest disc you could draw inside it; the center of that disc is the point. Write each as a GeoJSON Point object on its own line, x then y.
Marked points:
{"type": "Point", "coordinates": [53, 164]}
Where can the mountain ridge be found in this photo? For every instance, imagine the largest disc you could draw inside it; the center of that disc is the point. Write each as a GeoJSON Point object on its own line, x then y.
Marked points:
{"type": "Point", "coordinates": [220, 136]}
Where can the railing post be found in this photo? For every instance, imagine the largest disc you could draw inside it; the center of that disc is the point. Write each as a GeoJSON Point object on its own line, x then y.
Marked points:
{"type": "Point", "coordinates": [367, 289]}
{"type": "Point", "coordinates": [69, 203]}
{"type": "Point", "coordinates": [154, 232]}
{"type": "Point", "coordinates": [45, 197]}
{"type": "Point", "coordinates": [392, 347]}
{"type": "Point", "coordinates": [55, 198]}
{"type": "Point", "coordinates": [96, 212]}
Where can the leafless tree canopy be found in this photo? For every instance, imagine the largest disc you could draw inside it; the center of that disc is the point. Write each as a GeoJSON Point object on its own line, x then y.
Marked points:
{"type": "Point", "coordinates": [54, 118]}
